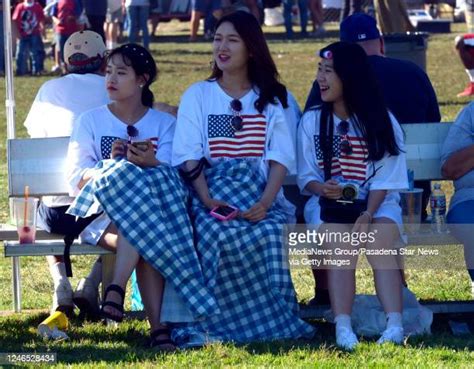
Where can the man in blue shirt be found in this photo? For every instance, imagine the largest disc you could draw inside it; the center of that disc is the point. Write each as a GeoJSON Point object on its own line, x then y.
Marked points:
{"type": "Point", "coordinates": [407, 90]}
{"type": "Point", "coordinates": [406, 87]}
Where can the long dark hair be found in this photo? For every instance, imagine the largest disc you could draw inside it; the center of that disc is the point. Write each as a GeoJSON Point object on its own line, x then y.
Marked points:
{"type": "Point", "coordinates": [362, 97]}
{"type": "Point", "coordinates": [142, 63]}
{"type": "Point", "coordinates": [262, 71]}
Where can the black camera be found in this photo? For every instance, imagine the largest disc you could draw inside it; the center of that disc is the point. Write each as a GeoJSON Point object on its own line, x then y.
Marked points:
{"type": "Point", "coordinates": [350, 192]}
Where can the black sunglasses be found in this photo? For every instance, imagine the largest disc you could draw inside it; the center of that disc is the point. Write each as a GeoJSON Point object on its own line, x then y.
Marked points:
{"type": "Point", "coordinates": [132, 132]}
{"type": "Point", "coordinates": [236, 121]}
{"type": "Point", "coordinates": [343, 129]}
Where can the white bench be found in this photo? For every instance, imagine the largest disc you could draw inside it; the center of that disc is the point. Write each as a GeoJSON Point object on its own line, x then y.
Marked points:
{"type": "Point", "coordinates": [40, 164]}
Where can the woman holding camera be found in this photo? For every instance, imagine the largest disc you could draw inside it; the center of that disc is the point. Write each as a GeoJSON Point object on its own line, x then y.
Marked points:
{"type": "Point", "coordinates": [128, 128]}
{"type": "Point", "coordinates": [351, 162]}
{"type": "Point", "coordinates": [234, 148]}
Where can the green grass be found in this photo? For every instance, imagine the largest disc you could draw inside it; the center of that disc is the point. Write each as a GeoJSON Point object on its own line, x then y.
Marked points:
{"type": "Point", "coordinates": [93, 345]}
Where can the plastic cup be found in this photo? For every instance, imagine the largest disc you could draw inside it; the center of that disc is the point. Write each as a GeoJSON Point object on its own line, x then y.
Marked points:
{"type": "Point", "coordinates": [24, 211]}
{"type": "Point", "coordinates": [57, 319]}
{"type": "Point", "coordinates": [410, 201]}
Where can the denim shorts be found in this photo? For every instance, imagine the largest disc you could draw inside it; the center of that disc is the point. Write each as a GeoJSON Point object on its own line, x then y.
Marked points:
{"type": "Point", "coordinates": [205, 6]}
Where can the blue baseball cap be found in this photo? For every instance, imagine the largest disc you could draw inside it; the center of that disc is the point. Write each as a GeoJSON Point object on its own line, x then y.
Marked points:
{"type": "Point", "coordinates": [359, 27]}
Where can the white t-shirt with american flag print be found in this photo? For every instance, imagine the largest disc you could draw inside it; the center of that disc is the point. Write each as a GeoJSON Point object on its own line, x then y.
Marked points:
{"type": "Point", "coordinates": [204, 129]}
{"type": "Point", "coordinates": [97, 129]}
{"type": "Point", "coordinates": [391, 176]}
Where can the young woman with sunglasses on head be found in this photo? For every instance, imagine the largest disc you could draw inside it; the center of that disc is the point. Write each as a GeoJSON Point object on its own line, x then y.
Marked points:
{"type": "Point", "coordinates": [234, 148]}
{"type": "Point", "coordinates": [112, 131]}
{"type": "Point", "coordinates": [365, 151]}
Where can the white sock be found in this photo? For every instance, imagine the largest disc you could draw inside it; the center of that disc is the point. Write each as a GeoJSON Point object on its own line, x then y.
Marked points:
{"type": "Point", "coordinates": [58, 273]}
{"type": "Point", "coordinates": [343, 321]}
{"type": "Point", "coordinates": [95, 274]}
{"type": "Point", "coordinates": [394, 320]}
{"type": "Point", "coordinates": [470, 73]}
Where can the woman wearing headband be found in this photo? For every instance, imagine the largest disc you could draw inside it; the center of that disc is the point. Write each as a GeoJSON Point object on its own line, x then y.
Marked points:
{"type": "Point", "coordinates": [234, 149]}
{"type": "Point", "coordinates": [128, 128]}
{"type": "Point", "coordinates": [351, 162]}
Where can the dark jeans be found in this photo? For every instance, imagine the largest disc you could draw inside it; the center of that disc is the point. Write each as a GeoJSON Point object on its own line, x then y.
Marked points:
{"type": "Point", "coordinates": [97, 24]}
{"type": "Point", "coordinates": [461, 224]}
{"type": "Point", "coordinates": [30, 45]}
{"type": "Point", "coordinates": [287, 14]}
{"type": "Point", "coordinates": [350, 7]}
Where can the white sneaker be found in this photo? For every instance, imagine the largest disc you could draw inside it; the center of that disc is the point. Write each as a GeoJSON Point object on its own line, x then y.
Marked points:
{"type": "Point", "coordinates": [393, 334]}
{"type": "Point", "coordinates": [62, 296]}
{"type": "Point", "coordinates": [86, 297]}
{"type": "Point", "coordinates": [346, 339]}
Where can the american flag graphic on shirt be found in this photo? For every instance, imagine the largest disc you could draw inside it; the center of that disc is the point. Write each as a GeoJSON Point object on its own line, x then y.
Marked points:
{"type": "Point", "coordinates": [351, 167]}
{"type": "Point", "coordinates": [107, 141]}
{"type": "Point", "coordinates": [224, 141]}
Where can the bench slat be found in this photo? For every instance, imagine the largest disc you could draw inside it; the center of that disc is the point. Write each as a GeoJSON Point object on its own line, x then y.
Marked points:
{"type": "Point", "coordinates": [44, 248]}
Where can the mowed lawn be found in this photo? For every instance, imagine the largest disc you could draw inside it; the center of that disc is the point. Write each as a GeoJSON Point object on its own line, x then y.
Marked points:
{"type": "Point", "coordinates": [93, 345]}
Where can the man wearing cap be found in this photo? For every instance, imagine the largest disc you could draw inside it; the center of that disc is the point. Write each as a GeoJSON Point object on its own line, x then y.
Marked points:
{"type": "Point", "coordinates": [406, 88]}
{"type": "Point", "coordinates": [57, 104]}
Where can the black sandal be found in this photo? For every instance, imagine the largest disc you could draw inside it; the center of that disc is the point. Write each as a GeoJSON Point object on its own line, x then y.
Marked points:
{"type": "Point", "coordinates": [118, 307]}
{"type": "Point", "coordinates": [156, 343]}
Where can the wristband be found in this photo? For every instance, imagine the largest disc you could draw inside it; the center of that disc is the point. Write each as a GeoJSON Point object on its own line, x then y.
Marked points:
{"type": "Point", "coordinates": [369, 214]}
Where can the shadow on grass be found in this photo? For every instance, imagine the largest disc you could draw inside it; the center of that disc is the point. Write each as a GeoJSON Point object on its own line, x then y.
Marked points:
{"type": "Point", "coordinates": [127, 343]}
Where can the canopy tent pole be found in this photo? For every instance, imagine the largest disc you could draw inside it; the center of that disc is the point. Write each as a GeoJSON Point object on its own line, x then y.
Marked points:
{"type": "Point", "coordinates": [9, 88]}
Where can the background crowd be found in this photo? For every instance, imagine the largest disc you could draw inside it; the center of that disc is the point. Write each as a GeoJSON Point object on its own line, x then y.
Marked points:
{"type": "Point", "coordinates": [41, 27]}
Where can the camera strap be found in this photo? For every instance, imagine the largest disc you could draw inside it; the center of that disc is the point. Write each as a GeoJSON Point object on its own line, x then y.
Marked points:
{"type": "Point", "coordinates": [326, 135]}
{"type": "Point", "coordinates": [326, 138]}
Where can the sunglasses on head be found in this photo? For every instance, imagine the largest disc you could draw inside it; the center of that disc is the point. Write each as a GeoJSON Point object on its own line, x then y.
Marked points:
{"type": "Point", "coordinates": [132, 132]}
{"type": "Point", "coordinates": [236, 121]}
{"type": "Point", "coordinates": [343, 129]}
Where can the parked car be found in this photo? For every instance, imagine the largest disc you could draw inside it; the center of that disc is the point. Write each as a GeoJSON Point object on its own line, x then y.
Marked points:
{"type": "Point", "coordinates": [416, 15]}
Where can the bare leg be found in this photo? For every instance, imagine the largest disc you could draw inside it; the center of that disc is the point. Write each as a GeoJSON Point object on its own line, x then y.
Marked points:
{"type": "Point", "coordinates": [109, 238]}
{"type": "Point", "coordinates": [387, 277]}
{"type": "Point", "coordinates": [151, 285]}
{"type": "Point", "coordinates": [316, 11]}
{"type": "Point", "coordinates": [341, 280]}
{"type": "Point", "coordinates": [341, 283]}
{"type": "Point", "coordinates": [253, 7]}
{"type": "Point", "coordinates": [126, 261]}
{"type": "Point", "coordinates": [195, 18]}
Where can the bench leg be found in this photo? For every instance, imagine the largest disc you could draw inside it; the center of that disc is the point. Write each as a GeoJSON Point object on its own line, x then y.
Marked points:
{"type": "Point", "coordinates": [108, 265]}
{"type": "Point", "coordinates": [16, 284]}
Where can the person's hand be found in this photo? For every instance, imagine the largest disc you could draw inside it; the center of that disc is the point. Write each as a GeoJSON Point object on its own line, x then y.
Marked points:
{"type": "Point", "coordinates": [331, 189]}
{"type": "Point", "coordinates": [170, 109]}
{"type": "Point", "coordinates": [118, 149]}
{"type": "Point", "coordinates": [211, 203]}
{"type": "Point", "coordinates": [144, 159]}
{"type": "Point", "coordinates": [362, 223]}
{"type": "Point", "coordinates": [256, 213]}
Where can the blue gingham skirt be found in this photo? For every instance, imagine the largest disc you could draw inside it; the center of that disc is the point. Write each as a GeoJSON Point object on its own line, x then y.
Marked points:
{"type": "Point", "coordinates": [149, 207]}
{"type": "Point", "coordinates": [245, 266]}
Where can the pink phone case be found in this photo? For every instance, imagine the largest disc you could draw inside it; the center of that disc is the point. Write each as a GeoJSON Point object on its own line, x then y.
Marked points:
{"type": "Point", "coordinates": [230, 216]}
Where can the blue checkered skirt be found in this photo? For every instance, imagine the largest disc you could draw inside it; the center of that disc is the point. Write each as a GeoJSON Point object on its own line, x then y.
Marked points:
{"type": "Point", "coordinates": [244, 264]}
{"type": "Point", "coordinates": [150, 208]}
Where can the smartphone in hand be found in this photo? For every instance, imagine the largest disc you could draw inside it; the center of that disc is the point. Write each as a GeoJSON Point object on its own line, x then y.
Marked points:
{"type": "Point", "coordinates": [141, 145]}
{"type": "Point", "coordinates": [224, 212]}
